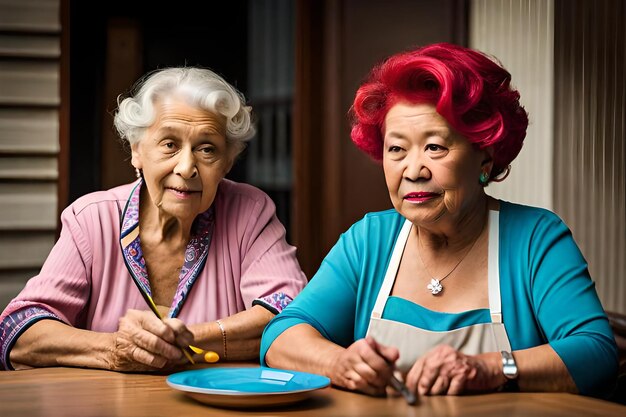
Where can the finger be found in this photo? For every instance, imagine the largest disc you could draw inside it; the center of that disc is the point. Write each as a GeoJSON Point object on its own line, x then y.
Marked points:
{"type": "Point", "coordinates": [380, 365]}
{"type": "Point", "coordinates": [154, 344]}
{"type": "Point", "coordinates": [355, 372]}
{"type": "Point", "coordinates": [147, 320]}
{"type": "Point", "coordinates": [371, 376]}
{"type": "Point", "coordinates": [184, 340]}
{"type": "Point", "coordinates": [438, 363]}
{"type": "Point", "coordinates": [430, 373]}
{"type": "Point", "coordinates": [391, 391]}
{"type": "Point", "coordinates": [447, 372]}
{"type": "Point", "coordinates": [414, 375]}
{"type": "Point", "coordinates": [375, 361]}
{"type": "Point", "coordinates": [156, 326]}
{"type": "Point", "coordinates": [356, 382]}
{"type": "Point", "coordinates": [184, 337]}
{"type": "Point", "coordinates": [457, 384]}
{"type": "Point", "coordinates": [147, 358]}
{"type": "Point", "coordinates": [389, 353]}
{"type": "Point", "coordinates": [440, 386]}
{"type": "Point", "coordinates": [353, 380]}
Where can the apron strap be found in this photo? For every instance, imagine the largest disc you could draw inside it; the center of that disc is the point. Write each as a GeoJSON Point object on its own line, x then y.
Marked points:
{"type": "Point", "coordinates": [493, 269]}
{"type": "Point", "coordinates": [392, 270]}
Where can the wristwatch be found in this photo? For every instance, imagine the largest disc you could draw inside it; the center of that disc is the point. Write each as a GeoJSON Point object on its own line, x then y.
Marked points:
{"type": "Point", "coordinates": [509, 369]}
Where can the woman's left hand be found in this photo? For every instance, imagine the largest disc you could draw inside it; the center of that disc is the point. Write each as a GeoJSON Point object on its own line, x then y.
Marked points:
{"type": "Point", "coordinates": [444, 370]}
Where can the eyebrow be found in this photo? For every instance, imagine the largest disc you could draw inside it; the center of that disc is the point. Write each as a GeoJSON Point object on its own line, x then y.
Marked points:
{"type": "Point", "coordinates": [172, 130]}
{"type": "Point", "coordinates": [166, 129]}
{"type": "Point", "coordinates": [211, 132]}
{"type": "Point", "coordinates": [443, 132]}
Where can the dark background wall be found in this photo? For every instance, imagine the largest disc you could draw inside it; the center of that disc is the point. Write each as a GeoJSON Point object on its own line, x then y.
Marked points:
{"type": "Point", "coordinates": [114, 42]}
{"type": "Point", "coordinates": [336, 42]}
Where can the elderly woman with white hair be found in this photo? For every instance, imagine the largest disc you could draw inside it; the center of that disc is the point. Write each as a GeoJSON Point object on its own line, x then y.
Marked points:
{"type": "Point", "coordinates": [181, 257]}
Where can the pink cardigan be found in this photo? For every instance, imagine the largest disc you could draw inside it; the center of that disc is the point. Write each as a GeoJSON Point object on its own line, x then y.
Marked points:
{"type": "Point", "coordinates": [85, 283]}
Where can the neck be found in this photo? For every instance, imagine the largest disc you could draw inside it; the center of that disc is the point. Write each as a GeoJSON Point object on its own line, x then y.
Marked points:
{"type": "Point", "coordinates": [159, 225]}
{"type": "Point", "coordinates": [458, 233]}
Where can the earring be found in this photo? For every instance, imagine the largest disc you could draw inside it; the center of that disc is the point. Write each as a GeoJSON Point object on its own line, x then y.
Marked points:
{"type": "Point", "coordinates": [484, 178]}
{"type": "Point", "coordinates": [138, 172]}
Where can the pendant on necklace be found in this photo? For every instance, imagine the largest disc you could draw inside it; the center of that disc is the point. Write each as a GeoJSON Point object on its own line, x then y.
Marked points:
{"type": "Point", "coordinates": [435, 286]}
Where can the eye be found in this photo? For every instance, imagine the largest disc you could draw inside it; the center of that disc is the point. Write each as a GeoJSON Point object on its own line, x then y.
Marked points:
{"type": "Point", "coordinates": [394, 149]}
{"type": "Point", "coordinates": [168, 146]}
{"type": "Point", "coordinates": [434, 148]}
{"type": "Point", "coordinates": [207, 150]}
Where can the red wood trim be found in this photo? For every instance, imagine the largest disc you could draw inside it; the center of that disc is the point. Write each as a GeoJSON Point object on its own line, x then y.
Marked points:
{"type": "Point", "coordinates": [64, 112]}
{"type": "Point", "coordinates": [307, 118]}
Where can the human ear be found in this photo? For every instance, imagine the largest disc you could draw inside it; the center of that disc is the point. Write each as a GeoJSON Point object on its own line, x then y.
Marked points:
{"type": "Point", "coordinates": [487, 162]}
{"type": "Point", "coordinates": [486, 166]}
{"type": "Point", "coordinates": [136, 156]}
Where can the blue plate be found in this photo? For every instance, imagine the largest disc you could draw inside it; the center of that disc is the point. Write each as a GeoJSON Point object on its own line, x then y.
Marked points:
{"type": "Point", "coordinates": [247, 387]}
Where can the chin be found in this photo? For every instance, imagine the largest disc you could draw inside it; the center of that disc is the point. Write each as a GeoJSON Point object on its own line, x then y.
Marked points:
{"type": "Point", "coordinates": [179, 210]}
{"type": "Point", "coordinates": [423, 216]}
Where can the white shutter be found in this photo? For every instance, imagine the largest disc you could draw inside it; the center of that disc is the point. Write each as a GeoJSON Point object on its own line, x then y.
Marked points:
{"type": "Point", "coordinates": [29, 138]}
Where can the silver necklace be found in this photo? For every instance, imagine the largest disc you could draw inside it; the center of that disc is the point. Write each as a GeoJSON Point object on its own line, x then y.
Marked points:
{"type": "Point", "coordinates": [435, 286]}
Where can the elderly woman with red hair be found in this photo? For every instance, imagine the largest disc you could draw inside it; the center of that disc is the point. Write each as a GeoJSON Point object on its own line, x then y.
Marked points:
{"type": "Point", "coordinates": [459, 291]}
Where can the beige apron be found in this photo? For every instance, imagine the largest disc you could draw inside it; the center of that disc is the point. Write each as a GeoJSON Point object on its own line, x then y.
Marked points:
{"type": "Point", "coordinates": [413, 342]}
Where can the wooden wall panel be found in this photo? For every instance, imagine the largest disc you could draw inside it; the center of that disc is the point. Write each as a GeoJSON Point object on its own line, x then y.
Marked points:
{"type": "Point", "coordinates": [29, 138]}
{"type": "Point", "coordinates": [11, 282]}
{"type": "Point", "coordinates": [337, 43]}
{"type": "Point", "coordinates": [28, 130]}
{"type": "Point", "coordinates": [28, 46]}
{"type": "Point", "coordinates": [24, 250]}
{"type": "Point", "coordinates": [28, 168]}
{"type": "Point", "coordinates": [32, 16]}
{"type": "Point", "coordinates": [28, 83]}
{"type": "Point", "coordinates": [28, 206]}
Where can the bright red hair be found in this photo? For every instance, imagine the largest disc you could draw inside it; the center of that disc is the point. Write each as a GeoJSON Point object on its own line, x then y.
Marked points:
{"type": "Point", "coordinates": [470, 90]}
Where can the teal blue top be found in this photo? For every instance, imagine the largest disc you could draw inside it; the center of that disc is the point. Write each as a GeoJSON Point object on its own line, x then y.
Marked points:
{"type": "Point", "coordinates": [546, 291]}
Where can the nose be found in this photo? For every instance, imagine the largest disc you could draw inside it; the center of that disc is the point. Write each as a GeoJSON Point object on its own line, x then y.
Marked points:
{"type": "Point", "coordinates": [416, 168]}
{"type": "Point", "coordinates": [186, 164]}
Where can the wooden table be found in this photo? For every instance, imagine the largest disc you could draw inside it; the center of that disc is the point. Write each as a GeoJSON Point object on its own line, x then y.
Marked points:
{"type": "Point", "coordinates": [67, 392]}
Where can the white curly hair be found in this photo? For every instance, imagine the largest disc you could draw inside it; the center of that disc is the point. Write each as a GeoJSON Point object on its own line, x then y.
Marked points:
{"type": "Point", "coordinates": [201, 87]}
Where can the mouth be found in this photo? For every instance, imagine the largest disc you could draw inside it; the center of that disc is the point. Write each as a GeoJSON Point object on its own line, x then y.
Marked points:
{"type": "Point", "coordinates": [420, 197]}
{"type": "Point", "coordinates": [182, 191]}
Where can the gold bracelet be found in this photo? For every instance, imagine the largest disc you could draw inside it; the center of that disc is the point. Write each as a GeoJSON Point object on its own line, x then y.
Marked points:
{"type": "Point", "coordinates": [221, 326]}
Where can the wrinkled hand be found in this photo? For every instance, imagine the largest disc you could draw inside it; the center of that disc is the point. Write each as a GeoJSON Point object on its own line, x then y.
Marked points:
{"type": "Point", "coordinates": [143, 342]}
{"type": "Point", "coordinates": [365, 366]}
{"type": "Point", "coordinates": [444, 370]}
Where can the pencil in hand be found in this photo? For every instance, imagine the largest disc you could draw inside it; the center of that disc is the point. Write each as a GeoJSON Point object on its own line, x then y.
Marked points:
{"type": "Point", "coordinates": [208, 355]}
{"type": "Point", "coordinates": [395, 383]}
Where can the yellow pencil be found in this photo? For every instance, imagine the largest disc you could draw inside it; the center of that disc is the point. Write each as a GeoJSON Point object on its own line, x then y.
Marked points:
{"type": "Point", "coordinates": [209, 356]}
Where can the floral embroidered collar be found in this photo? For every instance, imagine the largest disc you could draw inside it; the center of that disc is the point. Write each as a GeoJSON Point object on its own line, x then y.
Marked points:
{"type": "Point", "coordinates": [195, 254]}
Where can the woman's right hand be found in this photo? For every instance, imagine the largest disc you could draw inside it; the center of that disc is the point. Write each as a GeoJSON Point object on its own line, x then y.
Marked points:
{"type": "Point", "coordinates": [143, 342]}
{"type": "Point", "coordinates": [364, 366]}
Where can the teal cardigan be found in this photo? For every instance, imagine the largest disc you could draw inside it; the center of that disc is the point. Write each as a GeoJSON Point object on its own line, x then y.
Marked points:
{"type": "Point", "coordinates": [546, 291]}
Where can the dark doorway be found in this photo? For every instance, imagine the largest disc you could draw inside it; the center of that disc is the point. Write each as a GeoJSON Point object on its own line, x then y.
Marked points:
{"type": "Point", "coordinates": [113, 43]}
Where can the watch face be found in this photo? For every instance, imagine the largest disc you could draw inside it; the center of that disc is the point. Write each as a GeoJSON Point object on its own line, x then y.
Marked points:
{"type": "Point", "coordinates": [510, 371]}
{"type": "Point", "coordinates": [509, 367]}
